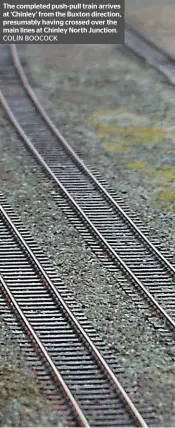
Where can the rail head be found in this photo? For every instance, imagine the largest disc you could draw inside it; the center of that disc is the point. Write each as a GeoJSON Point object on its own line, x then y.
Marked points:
{"type": "Point", "coordinates": [147, 39]}
{"type": "Point", "coordinates": [80, 418]}
{"type": "Point", "coordinates": [88, 222]}
{"type": "Point", "coordinates": [81, 165]}
{"type": "Point", "coordinates": [82, 333]}
{"type": "Point", "coordinates": [125, 397]}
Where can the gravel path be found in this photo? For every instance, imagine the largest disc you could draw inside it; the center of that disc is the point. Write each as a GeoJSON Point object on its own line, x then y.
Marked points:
{"type": "Point", "coordinates": [103, 93]}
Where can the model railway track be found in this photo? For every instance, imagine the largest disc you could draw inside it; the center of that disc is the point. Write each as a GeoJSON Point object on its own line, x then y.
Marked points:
{"type": "Point", "coordinates": [150, 51]}
{"type": "Point", "coordinates": [103, 218]}
{"type": "Point", "coordinates": [60, 333]}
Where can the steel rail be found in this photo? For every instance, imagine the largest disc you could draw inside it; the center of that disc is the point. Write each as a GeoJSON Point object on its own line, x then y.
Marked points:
{"type": "Point", "coordinates": [152, 43]}
{"type": "Point", "coordinates": [86, 339]}
{"type": "Point", "coordinates": [34, 338]}
{"type": "Point", "coordinates": [82, 215]}
{"type": "Point", "coordinates": [81, 165]}
{"type": "Point", "coordinates": [154, 53]}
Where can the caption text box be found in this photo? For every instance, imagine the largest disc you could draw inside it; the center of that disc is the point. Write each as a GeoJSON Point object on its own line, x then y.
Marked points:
{"type": "Point", "coordinates": [61, 22]}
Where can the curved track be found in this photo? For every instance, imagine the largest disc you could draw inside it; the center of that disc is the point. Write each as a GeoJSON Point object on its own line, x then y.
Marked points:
{"type": "Point", "coordinates": [102, 215]}
{"type": "Point", "coordinates": [60, 333]}
{"type": "Point", "coordinates": [152, 52]}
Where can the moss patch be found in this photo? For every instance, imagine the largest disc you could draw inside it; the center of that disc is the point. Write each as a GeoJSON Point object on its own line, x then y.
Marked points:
{"type": "Point", "coordinates": [139, 139]}
{"type": "Point", "coordinates": [127, 128]}
{"type": "Point", "coordinates": [167, 199]}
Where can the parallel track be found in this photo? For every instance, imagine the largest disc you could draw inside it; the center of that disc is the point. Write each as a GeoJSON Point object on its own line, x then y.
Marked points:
{"type": "Point", "coordinates": [152, 52]}
{"type": "Point", "coordinates": [100, 214]}
{"type": "Point", "coordinates": [60, 333]}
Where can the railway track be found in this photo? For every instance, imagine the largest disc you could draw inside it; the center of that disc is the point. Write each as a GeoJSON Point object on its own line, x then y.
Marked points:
{"type": "Point", "coordinates": [152, 52]}
{"type": "Point", "coordinates": [99, 213]}
{"type": "Point", "coordinates": [61, 337]}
